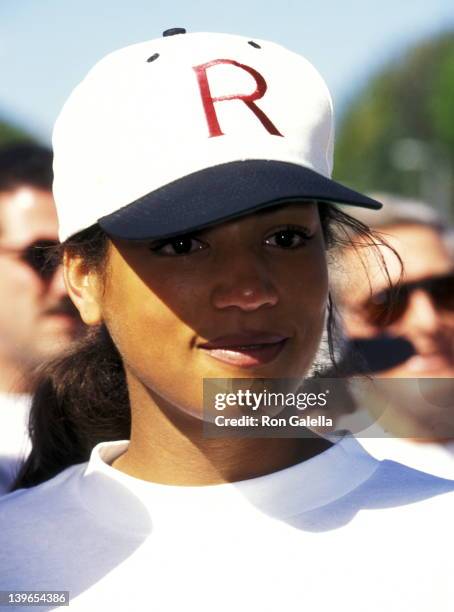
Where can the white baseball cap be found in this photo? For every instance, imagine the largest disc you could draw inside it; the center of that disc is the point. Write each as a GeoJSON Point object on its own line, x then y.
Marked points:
{"type": "Point", "coordinates": [177, 133]}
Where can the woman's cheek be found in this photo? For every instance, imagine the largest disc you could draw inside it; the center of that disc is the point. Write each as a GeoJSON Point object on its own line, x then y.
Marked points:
{"type": "Point", "coordinates": [307, 284]}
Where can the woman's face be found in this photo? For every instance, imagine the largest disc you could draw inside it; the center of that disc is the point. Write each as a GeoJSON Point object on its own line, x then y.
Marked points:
{"type": "Point", "coordinates": [244, 299]}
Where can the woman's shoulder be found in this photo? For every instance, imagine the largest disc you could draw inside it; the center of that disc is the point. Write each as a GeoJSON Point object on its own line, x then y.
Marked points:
{"type": "Point", "coordinates": [31, 501]}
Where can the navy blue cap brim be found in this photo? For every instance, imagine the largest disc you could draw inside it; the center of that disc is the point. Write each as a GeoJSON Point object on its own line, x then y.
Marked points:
{"type": "Point", "coordinates": [223, 192]}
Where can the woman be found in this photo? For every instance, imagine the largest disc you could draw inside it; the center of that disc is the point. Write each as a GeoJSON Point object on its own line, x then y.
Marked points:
{"type": "Point", "coordinates": [195, 227]}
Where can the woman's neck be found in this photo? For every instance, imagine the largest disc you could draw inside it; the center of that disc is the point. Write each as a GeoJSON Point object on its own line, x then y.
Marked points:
{"type": "Point", "coordinates": [169, 447]}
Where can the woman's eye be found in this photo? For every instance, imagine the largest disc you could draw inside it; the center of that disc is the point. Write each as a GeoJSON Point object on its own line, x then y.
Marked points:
{"type": "Point", "coordinates": [288, 239]}
{"type": "Point", "coordinates": [184, 245]}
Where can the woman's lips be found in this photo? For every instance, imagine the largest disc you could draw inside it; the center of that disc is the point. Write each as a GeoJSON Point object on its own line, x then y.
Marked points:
{"type": "Point", "coordinates": [245, 351]}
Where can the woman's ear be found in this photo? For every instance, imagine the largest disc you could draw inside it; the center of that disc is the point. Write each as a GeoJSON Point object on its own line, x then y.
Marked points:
{"type": "Point", "coordinates": [84, 287]}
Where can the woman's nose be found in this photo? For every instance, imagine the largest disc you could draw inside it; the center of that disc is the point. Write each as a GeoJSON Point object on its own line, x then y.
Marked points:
{"type": "Point", "coordinates": [246, 285]}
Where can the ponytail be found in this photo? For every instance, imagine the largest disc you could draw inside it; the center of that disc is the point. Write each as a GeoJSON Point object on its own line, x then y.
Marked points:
{"type": "Point", "coordinates": [80, 399]}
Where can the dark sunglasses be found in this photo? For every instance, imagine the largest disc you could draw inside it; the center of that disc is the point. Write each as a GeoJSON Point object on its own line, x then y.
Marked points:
{"type": "Point", "coordinates": [388, 306]}
{"type": "Point", "coordinates": [40, 255]}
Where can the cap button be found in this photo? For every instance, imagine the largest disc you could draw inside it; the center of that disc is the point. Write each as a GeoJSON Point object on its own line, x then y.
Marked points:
{"type": "Point", "coordinates": [173, 31]}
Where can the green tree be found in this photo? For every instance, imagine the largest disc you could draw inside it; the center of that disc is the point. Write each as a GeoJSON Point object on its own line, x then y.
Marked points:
{"type": "Point", "coordinates": [398, 135]}
{"type": "Point", "coordinates": [9, 133]}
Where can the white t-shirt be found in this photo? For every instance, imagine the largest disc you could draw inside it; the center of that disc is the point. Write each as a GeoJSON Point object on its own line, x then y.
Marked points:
{"type": "Point", "coordinates": [341, 531]}
{"type": "Point", "coordinates": [433, 458]}
{"type": "Point", "coordinates": [14, 439]}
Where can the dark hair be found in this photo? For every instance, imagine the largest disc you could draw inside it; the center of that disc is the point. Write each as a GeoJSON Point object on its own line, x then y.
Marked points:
{"type": "Point", "coordinates": [81, 398]}
{"type": "Point", "coordinates": [26, 164]}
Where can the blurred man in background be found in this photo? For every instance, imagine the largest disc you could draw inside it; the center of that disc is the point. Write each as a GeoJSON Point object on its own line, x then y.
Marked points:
{"type": "Point", "coordinates": [406, 334]}
{"type": "Point", "coordinates": [37, 320]}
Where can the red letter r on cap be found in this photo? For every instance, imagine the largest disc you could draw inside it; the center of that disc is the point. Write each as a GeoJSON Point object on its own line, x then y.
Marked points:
{"type": "Point", "coordinates": [249, 99]}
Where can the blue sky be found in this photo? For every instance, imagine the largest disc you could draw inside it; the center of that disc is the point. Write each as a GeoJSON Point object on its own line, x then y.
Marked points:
{"type": "Point", "coordinates": [47, 46]}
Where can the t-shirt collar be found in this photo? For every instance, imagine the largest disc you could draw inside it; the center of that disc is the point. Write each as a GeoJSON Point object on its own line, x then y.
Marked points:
{"type": "Point", "coordinates": [135, 504]}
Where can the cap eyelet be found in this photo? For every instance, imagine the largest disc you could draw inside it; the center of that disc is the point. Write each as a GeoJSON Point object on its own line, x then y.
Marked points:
{"type": "Point", "coordinates": [254, 44]}
{"type": "Point", "coordinates": [174, 31]}
{"type": "Point", "coordinates": [153, 57]}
